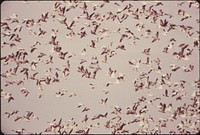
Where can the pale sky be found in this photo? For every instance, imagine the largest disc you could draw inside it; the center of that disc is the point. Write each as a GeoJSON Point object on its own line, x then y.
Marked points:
{"type": "Point", "coordinates": [90, 91]}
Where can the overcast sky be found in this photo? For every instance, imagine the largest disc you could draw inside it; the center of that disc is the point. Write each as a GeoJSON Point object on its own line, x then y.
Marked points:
{"type": "Point", "coordinates": [184, 15]}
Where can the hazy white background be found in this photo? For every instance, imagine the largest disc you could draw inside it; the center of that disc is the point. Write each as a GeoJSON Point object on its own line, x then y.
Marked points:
{"type": "Point", "coordinates": [49, 106]}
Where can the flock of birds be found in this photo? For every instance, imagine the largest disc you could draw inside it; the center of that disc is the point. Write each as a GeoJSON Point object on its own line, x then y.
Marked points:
{"type": "Point", "coordinates": [24, 64]}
